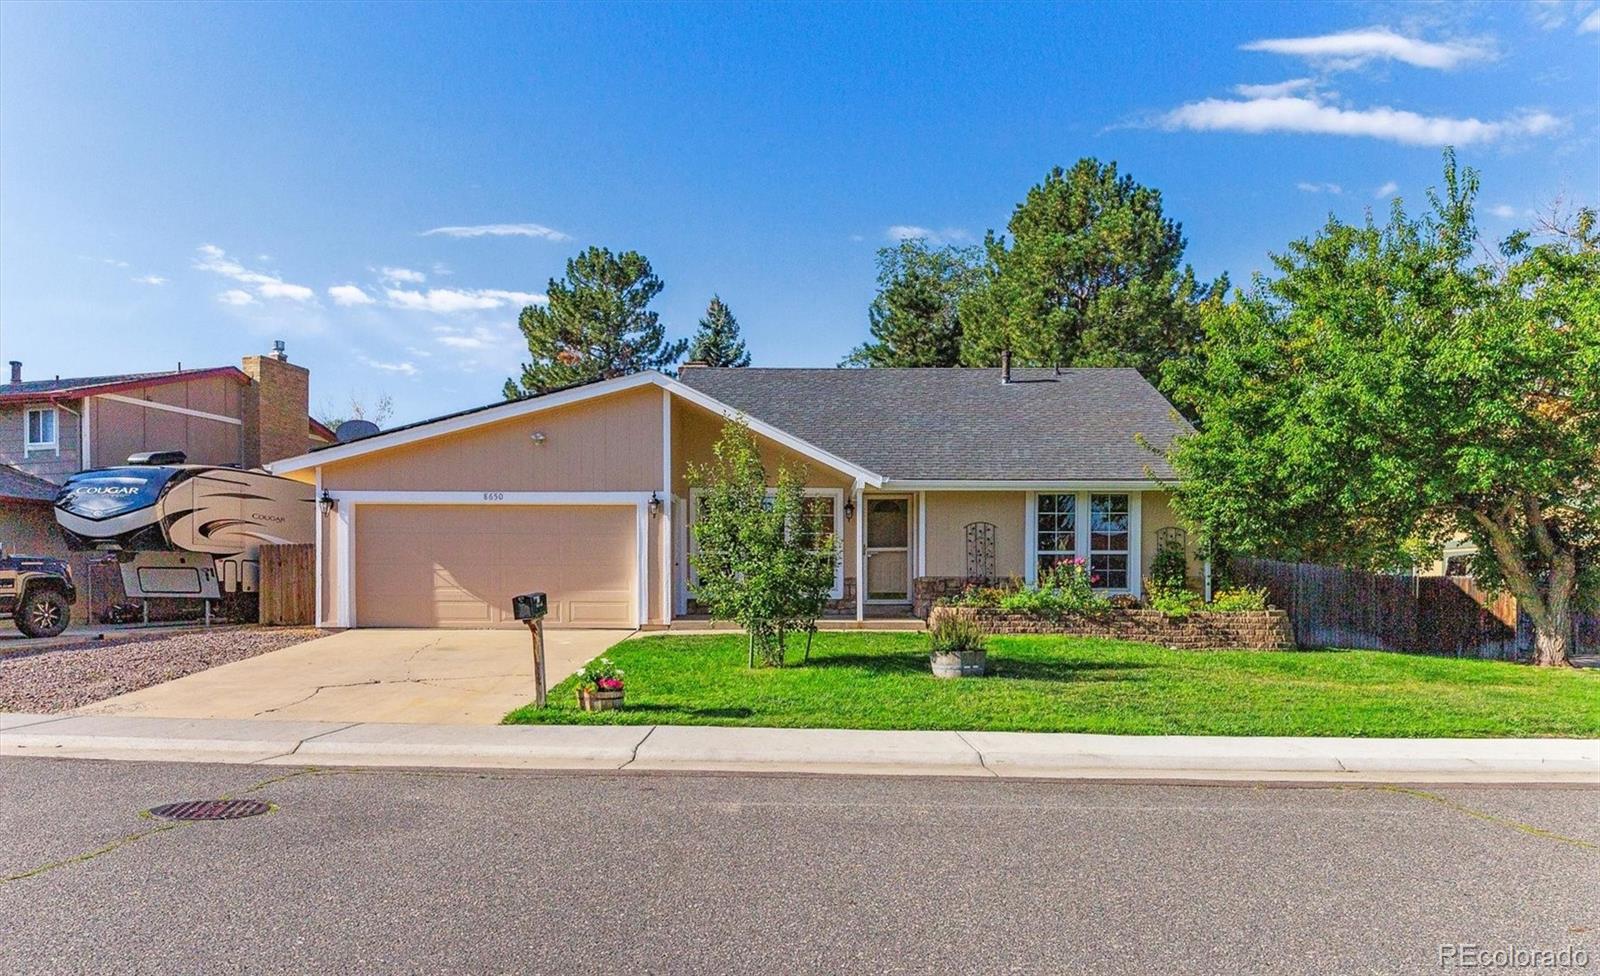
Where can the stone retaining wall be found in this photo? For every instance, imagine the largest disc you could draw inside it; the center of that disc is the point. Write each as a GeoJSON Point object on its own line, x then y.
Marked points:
{"type": "Point", "coordinates": [1256, 630]}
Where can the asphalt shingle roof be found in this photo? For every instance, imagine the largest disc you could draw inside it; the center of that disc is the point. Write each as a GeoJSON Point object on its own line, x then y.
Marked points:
{"type": "Point", "coordinates": [59, 384]}
{"type": "Point", "coordinates": [963, 424]}
{"type": "Point", "coordinates": [18, 485]}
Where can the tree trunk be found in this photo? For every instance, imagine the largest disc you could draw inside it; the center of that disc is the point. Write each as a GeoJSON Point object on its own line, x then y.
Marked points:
{"type": "Point", "coordinates": [1552, 643]}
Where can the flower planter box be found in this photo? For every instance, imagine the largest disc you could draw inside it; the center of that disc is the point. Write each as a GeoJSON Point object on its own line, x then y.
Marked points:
{"type": "Point", "coordinates": [958, 664]}
{"type": "Point", "coordinates": [591, 700]}
{"type": "Point", "coordinates": [1255, 630]}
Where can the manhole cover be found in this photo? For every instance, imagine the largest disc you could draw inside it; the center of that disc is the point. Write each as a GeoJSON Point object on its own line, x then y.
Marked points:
{"type": "Point", "coordinates": [210, 809]}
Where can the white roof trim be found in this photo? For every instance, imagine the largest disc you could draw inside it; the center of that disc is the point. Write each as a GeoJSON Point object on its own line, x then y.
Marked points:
{"type": "Point", "coordinates": [1122, 484]}
{"type": "Point", "coordinates": [770, 432]}
{"type": "Point", "coordinates": [519, 408]}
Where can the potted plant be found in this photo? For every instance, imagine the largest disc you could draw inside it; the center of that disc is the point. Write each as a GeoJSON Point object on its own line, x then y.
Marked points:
{"type": "Point", "coordinates": [599, 686]}
{"type": "Point", "coordinates": [956, 647]}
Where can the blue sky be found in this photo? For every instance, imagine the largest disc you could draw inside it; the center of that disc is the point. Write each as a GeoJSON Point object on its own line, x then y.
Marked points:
{"type": "Point", "coordinates": [384, 186]}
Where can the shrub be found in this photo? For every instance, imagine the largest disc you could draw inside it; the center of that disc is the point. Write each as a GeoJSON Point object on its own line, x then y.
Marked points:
{"type": "Point", "coordinates": [1063, 588]}
{"type": "Point", "coordinates": [953, 633]}
{"type": "Point", "coordinates": [1170, 567]}
{"type": "Point", "coordinates": [1239, 599]}
{"type": "Point", "coordinates": [1174, 601]}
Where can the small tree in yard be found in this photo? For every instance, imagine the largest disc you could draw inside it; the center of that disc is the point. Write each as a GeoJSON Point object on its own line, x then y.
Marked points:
{"type": "Point", "coordinates": [1389, 386]}
{"type": "Point", "coordinates": [761, 560]}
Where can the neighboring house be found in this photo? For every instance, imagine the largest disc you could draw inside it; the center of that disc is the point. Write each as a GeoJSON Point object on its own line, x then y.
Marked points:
{"type": "Point", "coordinates": [51, 429]}
{"type": "Point", "coordinates": [927, 476]}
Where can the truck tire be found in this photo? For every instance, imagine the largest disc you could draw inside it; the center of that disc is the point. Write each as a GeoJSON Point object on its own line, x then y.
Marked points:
{"type": "Point", "coordinates": [43, 613]}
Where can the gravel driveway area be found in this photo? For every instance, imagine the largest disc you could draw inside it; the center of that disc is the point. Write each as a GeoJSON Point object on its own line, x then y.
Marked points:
{"type": "Point", "coordinates": [64, 677]}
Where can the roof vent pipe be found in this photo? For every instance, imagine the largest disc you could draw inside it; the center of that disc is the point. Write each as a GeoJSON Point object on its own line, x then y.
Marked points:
{"type": "Point", "coordinates": [277, 351]}
{"type": "Point", "coordinates": [16, 371]}
{"type": "Point", "coordinates": [1005, 366]}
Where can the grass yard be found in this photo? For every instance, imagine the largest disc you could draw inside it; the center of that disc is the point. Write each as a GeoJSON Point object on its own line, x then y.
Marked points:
{"type": "Point", "coordinates": [880, 680]}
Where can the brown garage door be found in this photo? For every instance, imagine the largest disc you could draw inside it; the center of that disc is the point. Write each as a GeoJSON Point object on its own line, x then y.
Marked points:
{"type": "Point", "coordinates": [458, 566]}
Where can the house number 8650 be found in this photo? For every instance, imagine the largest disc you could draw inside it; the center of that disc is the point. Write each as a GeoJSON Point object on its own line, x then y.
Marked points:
{"type": "Point", "coordinates": [494, 496]}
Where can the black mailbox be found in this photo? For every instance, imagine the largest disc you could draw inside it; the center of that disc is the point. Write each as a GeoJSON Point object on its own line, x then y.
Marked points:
{"type": "Point", "coordinates": [529, 606]}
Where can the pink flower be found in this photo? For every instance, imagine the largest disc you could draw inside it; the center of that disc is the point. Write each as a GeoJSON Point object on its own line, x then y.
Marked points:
{"type": "Point", "coordinates": [609, 684]}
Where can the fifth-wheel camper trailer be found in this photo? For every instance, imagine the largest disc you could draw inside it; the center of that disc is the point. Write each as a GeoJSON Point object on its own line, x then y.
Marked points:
{"type": "Point", "coordinates": [184, 530]}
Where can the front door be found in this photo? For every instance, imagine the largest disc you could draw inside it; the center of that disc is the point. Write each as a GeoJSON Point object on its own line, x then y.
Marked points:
{"type": "Point", "coordinates": [888, 552]}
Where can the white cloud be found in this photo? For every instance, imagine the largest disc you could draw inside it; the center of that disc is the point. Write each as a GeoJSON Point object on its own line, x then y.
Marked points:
{"type": "Point", "coordinates": [1333, 188]}
{"type": "Point", "coordinates": [115, 263]}
{"type": "Point", "coordinates": [1503, 211]}
{"type": "Point", "coordinates": [349, 295]}
{"type": "Point", "coordinates": [1272, 90]}
{"type": "Point", "coordinates": [445, 301]}
{"type": "Point", "coordinates": [500, 230]}
{"type": "Point", "coordinates": [150, 280]}
{"type": "Point", "coordinates": [1388, 189]}
{"type": "Point", "coordinates": [907, 232]}
{"type": "Point", "coordinates": [236, 296]}
{"type": "Point", "coordinates": [462, 342]}
{"type": "Point", "coordinates": [403, 368]}
{"type": "Point", "coordinates": [1349, 49]}
{"type": "Point", "coordinates": [1259, 115]}
{"type": "Point", "coordinates": [215, 260]}
{"type": "Point", "coordinates": [478, 337]}
{"type": "Point", "coordinates": [403, 276]}
{"type": "Point", "coordinates": [1591, 23]}
{"type": "Point", "coordinates": [280, 289]}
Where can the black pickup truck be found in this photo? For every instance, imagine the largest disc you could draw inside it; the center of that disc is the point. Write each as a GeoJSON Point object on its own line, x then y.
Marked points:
{"type": "Point", "coordinates": [37, 592]}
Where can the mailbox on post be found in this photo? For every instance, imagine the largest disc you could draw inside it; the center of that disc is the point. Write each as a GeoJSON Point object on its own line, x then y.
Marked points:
{"type": "Point", "coordinates": [530, 608]}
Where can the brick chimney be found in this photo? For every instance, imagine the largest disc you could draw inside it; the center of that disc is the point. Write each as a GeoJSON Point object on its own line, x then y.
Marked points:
{"type": "Point", "coordinates": [277, 408]}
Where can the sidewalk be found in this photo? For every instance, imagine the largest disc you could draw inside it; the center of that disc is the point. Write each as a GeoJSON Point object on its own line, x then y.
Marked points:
{"type": "Point", "coordinates": [707, 748]}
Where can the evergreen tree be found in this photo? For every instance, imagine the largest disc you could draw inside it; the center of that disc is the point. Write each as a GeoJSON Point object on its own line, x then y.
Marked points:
{"type": "Point", "coordinates": [597, 325]}
{"type": "Point", "coordinates": [914, 318]}
{"type": "Point", "coordinates": [1091, 276]}
{"type": "Point", "coordinates": [717, 342]}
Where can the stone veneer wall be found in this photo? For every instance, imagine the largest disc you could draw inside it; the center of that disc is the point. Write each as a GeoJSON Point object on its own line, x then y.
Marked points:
{"type": "Point", "coordinates": [925, 590]}
{"type": "Point", "coordinates": [1256, 630]}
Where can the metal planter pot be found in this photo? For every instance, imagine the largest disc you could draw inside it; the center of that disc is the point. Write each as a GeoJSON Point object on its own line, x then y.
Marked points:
{"type": "Point", "coordinates": [958, 664]}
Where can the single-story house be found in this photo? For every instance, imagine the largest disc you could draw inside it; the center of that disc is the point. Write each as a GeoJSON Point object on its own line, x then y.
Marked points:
{"type": "Point", "coordinates": [929, 477]}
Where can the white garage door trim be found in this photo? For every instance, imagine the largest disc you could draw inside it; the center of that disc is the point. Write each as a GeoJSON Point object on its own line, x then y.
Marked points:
{"type": "Point", "coordinates": [347, 502]}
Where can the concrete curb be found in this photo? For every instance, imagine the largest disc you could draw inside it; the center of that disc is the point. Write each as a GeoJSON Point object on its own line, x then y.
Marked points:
{"type": "Point", "coordinates": [714, 748]}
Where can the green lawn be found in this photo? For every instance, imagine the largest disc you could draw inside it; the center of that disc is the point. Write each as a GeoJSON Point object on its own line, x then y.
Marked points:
{"type": "Point", "coordinates": [877, 680]}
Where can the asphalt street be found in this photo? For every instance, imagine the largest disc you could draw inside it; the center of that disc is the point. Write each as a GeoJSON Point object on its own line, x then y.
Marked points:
{"type": "Point", "coordinates": [397, 871]}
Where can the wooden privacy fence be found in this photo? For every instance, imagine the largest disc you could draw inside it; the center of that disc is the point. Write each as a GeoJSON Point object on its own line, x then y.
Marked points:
{"type": "Point", "coordinates": [288, 584]}
{"type": "Point", "coordinates": [1333, 607]}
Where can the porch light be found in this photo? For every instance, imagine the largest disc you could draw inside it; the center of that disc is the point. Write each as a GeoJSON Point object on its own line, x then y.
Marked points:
{"type": "Point", "coordinates": [655, 505]}
{"type": "Point", "coordinates": [328, 502]}
{"type": "Point", "coordinates": [849, 509]}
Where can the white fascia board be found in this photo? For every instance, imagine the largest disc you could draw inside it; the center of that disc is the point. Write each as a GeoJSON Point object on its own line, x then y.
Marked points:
{"type": "Point", "coordinates": [914, 485]}
{"type": "Point", "coordinates": [169, 408]}
{"type": "Point", "coordinates": [492, 497]}
{"type": "Point", "coordinates": [770, 432]}
{"type": "Point", "coordinates": [478, 418]}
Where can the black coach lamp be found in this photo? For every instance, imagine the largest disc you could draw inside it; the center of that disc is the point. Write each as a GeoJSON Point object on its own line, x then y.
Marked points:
{"type": "Point", "coordinates": [849, 509]}
{"type": "Point", "coordinates": [328, 502]}
{"type": "Point", "coordinates": [655, 505]}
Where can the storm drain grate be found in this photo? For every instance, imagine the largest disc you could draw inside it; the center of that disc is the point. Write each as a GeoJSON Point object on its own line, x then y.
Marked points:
{"type": "Point", "coordinates": [210, 810]}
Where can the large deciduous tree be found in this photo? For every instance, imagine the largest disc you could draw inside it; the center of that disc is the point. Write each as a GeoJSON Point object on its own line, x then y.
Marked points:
{"type": "Point", "coordinates": [597, 325]}
{"type": "Point", "coordinates": [915, 317]}
{"type": "Point", "coordinates": [1388, 386]}
{"type": "Point", "coordinates": [717, 341]}
{"type": "Point", "coordinates": [1091, 275]}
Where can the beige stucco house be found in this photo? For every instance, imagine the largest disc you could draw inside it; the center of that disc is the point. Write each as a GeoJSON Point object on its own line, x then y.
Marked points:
{"type": "Point", "coordinates": [928, 476]}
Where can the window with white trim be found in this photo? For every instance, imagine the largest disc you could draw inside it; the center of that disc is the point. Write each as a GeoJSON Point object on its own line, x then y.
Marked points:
{"type": "Point", "coordinates": [1109, 534]}
{"type": "Point", "coordinates": [822, 523]}
{"type": "Point", "coordinates": [1056, 530]}
{"type": "Point", "coordinates": [40, 430]}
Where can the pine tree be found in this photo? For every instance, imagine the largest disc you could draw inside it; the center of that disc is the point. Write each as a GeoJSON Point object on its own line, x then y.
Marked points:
{"type": "Point", "coordinates": [914, 318]}
{"type": "Point", "coordinates": [1092, 275]}
{"type": "Point", "coordinates": [597, 325]}
{"type": "Point", "coordinates": [717, 343]}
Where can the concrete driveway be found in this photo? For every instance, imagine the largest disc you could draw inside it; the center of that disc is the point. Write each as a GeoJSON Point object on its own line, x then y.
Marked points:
{"type": "Point", "coordinates": [460, 677]}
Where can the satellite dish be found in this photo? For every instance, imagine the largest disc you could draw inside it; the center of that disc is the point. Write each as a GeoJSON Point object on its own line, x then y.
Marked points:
{"type": "Point", "coordinates": [354, 430]}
